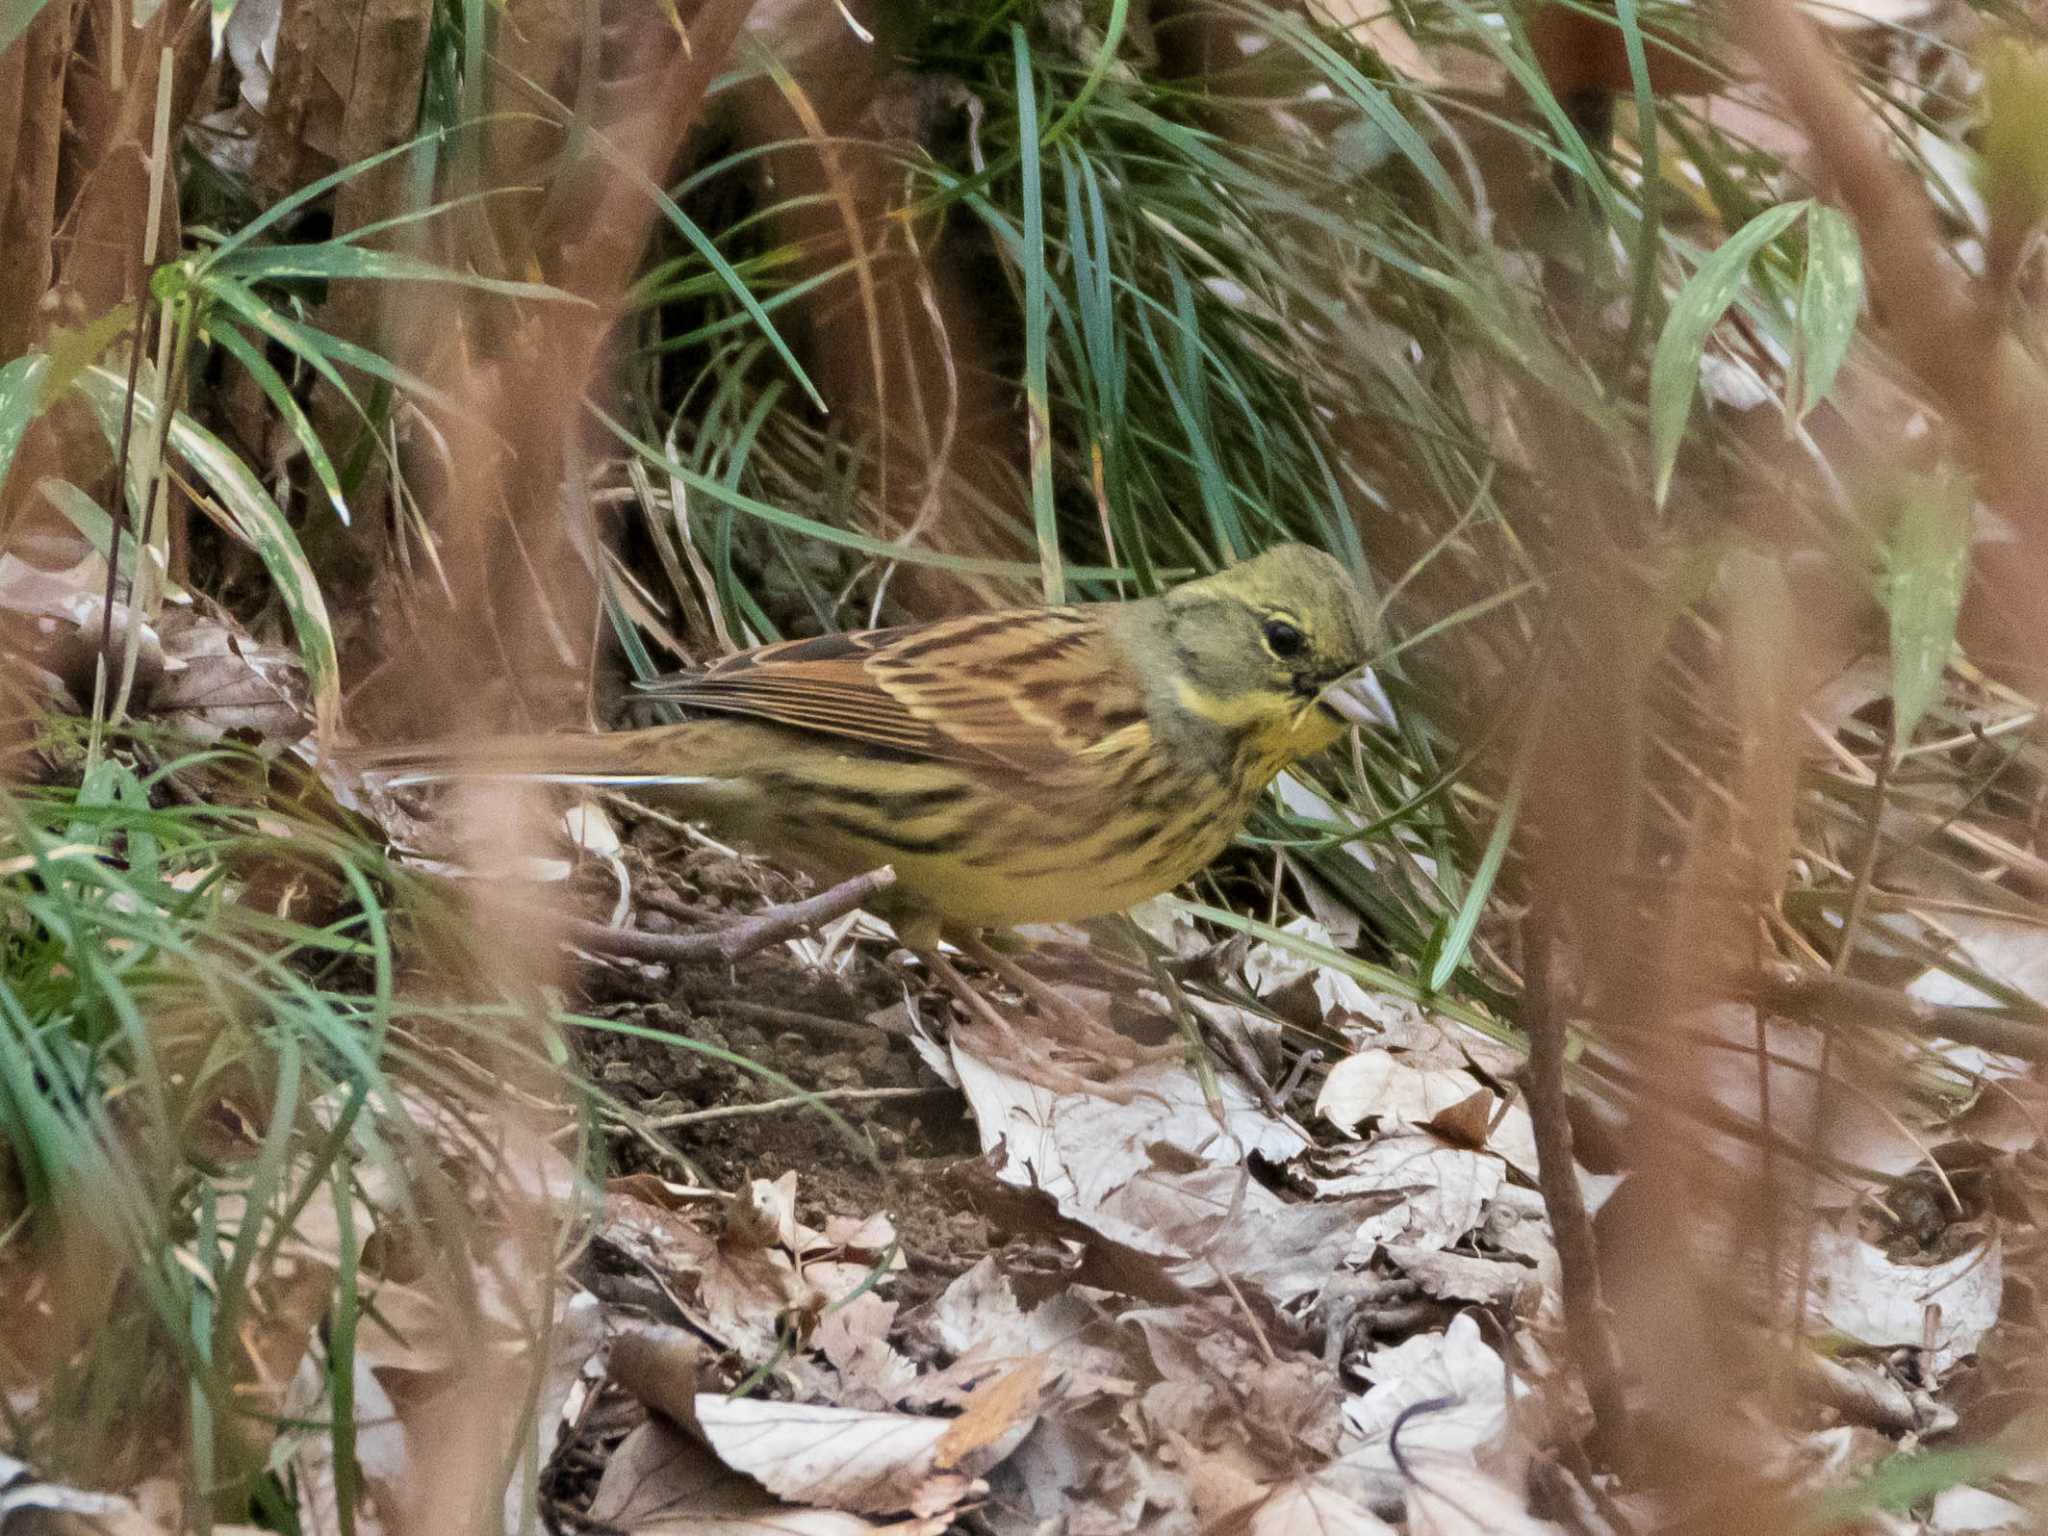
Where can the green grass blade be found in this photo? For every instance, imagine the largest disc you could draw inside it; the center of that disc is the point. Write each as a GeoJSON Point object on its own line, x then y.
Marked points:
{"type": "Point", "coordinates": [334, 260]}
{"type": "Point", "coordinates": [254, 518]}
{"type": "Point", "coordinates": [91, 520]}
{"type": "Point", "coordinates": [1675, 369]}
{"type": "Point", "coordinates": [21, 398]}
{"type": "Point", "coordinates": [312, 192]}
{"type": "Point", "coordinates": [1926, 563]}
{"type": "Point", "coordinates": [1830, 300]}
{"type": "Point", "coordinates": [274, 388]}
{"type": "Point", "coordinates": [1458, 937]}
{"type": "Point", "coordinates": [1644, 293]}
{"type": "Point", "coordinates": [1037, 408]}
{"type": "Point", "coordinates": [1098, 71]}
{"type": "Point", "coordinates": [320, 350]}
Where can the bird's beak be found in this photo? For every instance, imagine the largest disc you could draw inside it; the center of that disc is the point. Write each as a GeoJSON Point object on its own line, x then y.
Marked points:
{"type": "Point", "coordinates": [1360, 700]}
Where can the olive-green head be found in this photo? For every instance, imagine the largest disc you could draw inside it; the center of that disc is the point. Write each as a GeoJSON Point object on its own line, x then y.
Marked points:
{"type": "Point", "coordinates": [1268, 635]}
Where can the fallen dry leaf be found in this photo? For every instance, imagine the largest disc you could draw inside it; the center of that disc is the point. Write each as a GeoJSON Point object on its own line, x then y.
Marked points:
{"type": "Point", "coordinates": [1270, 969]}
{"type": "Point", "coordinates": [1450, 1497]}
{"type": "Point", "coordinates": [1964, 1508]}
{"type": "Point", "coordinates": [1467, 1277]}
{"type": "Point", "coordinates": [767, 1271]}
{"type": "Point", "coordinates": [1430, 1195]}
{"type": "Point", "coordinates": [1947, 1306]}
{"type": "Point", "coordinates": [660, 1482]}
{"type": "Point", "coordinates": [847, 1458]}
{"type": "Point", "coordinates": [854, 1339]}
{"type": "Point", "coordinates": [2009, 1114]}
{"type": "Point", "coordinates": [659, 1365]}
{"type": "Point", "coordinates": [979, 1322]}
{"type": "Point", "coordinates": [1084, 1150]}
{"type": "Point", "coordinates": [1379, 1085]}
{"type": "Point", "coordinates": [1301, 1506]}
{"type": "Point", "coordinates": [1455, 1368]}
{"type": "Point", "coordinates": [993, 1412]}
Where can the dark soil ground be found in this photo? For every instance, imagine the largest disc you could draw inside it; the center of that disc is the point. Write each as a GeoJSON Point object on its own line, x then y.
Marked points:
{"type": "Point", "coordinates": [740, 1027]}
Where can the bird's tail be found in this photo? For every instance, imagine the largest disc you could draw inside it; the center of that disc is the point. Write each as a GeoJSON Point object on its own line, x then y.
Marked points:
{"type": "Point", "coordinates": [670, 755]}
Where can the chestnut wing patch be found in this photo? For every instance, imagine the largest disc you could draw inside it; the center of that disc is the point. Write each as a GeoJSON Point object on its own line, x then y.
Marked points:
{"type": "Point", "coordinates": [1027, 689]}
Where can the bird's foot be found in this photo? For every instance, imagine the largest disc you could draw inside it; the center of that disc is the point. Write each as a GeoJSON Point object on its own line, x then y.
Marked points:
{"type": "Point", "coordinates": [1082, 1056]}
{"type": "Point", "coordinates": [1064, 1020]}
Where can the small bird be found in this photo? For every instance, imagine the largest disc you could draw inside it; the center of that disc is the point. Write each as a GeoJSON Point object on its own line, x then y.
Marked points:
{"type": "Point", "coordinates": [1025, 766]}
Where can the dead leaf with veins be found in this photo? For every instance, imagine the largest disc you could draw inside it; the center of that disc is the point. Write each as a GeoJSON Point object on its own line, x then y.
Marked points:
{"type": "Point", "coordinates": [1379, 1085]}
{"type": "Point", "coordinates": [765, 1272]}
{"type": "Point", "coordinates": [866, 1462]}
{"type": "Point", "coordinates": [1945, 1307]}
{"type": "Point", "coordinates": [979, 1322]}
{"type": "Point", "coordinates": [1429, 1195]}
{"type": "Point", "coordinates": [1301, 1506]}
{"type": "Point", "coordinates": [1083, 1150]}
{"type": "Point", "coordinates": [854, 1339]}
{"type": "Point", "coordinates": [993, 1412]}
{"type": "Point", "coordinates": [662, 1482]}
{"type": "Point", "coordinates": [1455, 1369]}
{"type": "Point", "coordinates": [1451, 1497]}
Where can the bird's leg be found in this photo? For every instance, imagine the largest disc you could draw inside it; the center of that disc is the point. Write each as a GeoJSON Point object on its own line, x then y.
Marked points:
{"type": "Point", "coordinates": [1038, 1066]}
{"type": "Point", "coordinates": [1067, 1021]}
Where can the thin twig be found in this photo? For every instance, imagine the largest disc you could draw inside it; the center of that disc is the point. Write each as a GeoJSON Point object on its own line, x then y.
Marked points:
{"type": "Point", "coordinates": [736, 940]}
{"type": "Point", "coordinates": [1852, 921]}
{"type": "Point", "coordinates": [1542, 1077]}
{"type": "Point", "coordinates": [1823, 998]}
{"type": "Point", "coordinates": [792, 1101]}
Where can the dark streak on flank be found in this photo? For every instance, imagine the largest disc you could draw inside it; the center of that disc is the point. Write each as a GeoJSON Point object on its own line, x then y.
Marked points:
{"type": "Point", "coordinates": [1133, 840]}
{"type": "Point", "coordinates": [906, 804]}
{"type": "Point", "coordinates": [945, 842]}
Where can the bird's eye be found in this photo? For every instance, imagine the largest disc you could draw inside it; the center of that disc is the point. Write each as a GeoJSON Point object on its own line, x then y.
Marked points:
{"type": "Point", "coordinates": [1283, 639]}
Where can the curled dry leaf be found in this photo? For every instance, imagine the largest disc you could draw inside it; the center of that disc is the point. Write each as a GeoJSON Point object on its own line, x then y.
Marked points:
{"type": "Point", "coordinates": [1301, 1506]}
{"type": "Point", "coordinates": [662, 1482]}
{"type": "Point", "coordinates": [870, 1463]}
{"type": "Point", "coordinates": [1946, 1307]}
{"type": "Point", "coordinates": [1430, 1195]}
{"type": "Point", "coordinates": [659, 1365]}
{"type": "Point", "coordinates": [740, 1288]}
{"type": "Point", "coordinates": [2009, 1114]}
{"type": "Point", "coordinates": [1085, 1150]}
{"type": "Point", "coordinates": [1963, 1508]}
{"type": "Point", "coordinates": [1379, 1085]}
{"type": "Point", "coordinates": [1455, 1368]}
{"type": "Point", "coordinates": [763, 1214]}
{"type": "Point", "coordinates": [1451, 1497]}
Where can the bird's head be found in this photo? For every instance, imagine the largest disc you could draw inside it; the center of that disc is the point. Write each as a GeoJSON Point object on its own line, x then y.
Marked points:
{"type": "Point", "coordinates": [1258, 646]}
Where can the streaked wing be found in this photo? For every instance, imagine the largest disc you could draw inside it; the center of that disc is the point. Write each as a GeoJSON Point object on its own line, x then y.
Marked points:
{"type": "Point", "coordinates": [1028, 689]}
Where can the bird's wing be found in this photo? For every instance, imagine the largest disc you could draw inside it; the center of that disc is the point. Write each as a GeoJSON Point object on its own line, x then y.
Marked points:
{"type": "Point", "coordinates": [1028, 689]}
